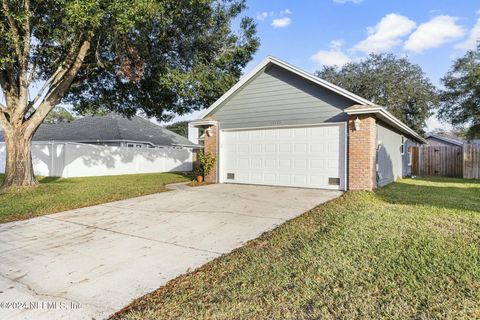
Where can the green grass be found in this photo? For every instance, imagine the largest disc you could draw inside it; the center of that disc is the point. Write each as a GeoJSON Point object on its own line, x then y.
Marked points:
{"type": "Point", "coordinates": [410, 250]}
{"type": "Point", "coordinates": [54, 194]}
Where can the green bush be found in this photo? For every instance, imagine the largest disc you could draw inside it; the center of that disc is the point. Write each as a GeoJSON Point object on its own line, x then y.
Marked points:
{"type": "Point", "coordinates": [207, 160]}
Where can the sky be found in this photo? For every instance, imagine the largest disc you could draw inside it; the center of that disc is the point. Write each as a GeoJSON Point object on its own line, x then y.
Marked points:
{"type": "Point", "coordinates": [312, 33]}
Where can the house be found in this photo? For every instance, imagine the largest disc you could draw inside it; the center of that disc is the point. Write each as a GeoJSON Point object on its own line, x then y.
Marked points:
{"type": "Point", "coordinates": [111, 130]}
{"type": "Point", "coordinates": [280, 125]}
{"type": "Point", "coordinates": [436, 140]}
{"type": "Point", "coordinates": [106, 145]}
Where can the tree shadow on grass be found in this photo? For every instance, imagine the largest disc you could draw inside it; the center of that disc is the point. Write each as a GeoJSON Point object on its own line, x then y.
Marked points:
{"type": "Point", "coordinates": [458, 194]}
{"type": "Point", "coordinates": [48, 179]}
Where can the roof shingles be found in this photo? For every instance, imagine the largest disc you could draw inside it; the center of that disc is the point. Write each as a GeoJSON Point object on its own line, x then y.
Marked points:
{"type": "Point", "coordinates": [112, 127]}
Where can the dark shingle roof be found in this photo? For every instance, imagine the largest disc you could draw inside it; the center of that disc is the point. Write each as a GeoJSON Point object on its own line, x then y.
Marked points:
{"type": "Point", "coordinates": [112, 127]}
{"type": "Point", "coordinates": [445, 139]}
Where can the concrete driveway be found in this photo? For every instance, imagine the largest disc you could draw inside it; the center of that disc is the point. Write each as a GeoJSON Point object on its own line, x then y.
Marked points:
{"type": "Point", "coordinates": [89, 263]}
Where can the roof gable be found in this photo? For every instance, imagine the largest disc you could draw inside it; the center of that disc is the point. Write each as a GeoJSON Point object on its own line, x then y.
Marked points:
{"type": "Point", "coordinates": [362, 105]}
{"type": "Point", "coordinates": [446, 140]}
{"type": "Point", "coordinates": [282, 64]}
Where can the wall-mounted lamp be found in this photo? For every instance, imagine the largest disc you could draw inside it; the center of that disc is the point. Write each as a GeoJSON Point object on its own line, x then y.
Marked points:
{"type": "Point", "coordinates": [356, 124]}
{"type": "Point", "coordinates": [208, 131]}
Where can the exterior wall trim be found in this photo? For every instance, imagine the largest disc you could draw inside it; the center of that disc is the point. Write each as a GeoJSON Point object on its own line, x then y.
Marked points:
{"type": "Point", "coordinates": [388, 118]}
{"type": "Point", "coordinates": [287, 126]}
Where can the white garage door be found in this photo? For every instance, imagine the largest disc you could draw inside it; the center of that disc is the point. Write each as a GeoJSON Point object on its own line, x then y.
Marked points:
{"type": "Point", "coordinates": [312, 157]}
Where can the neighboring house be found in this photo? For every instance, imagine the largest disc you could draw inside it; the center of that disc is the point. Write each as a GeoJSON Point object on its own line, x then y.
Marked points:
{"type": "Point", "coordinates": [282, 126]}
{"type": "Point", "coordinates": [107, 145]}
{"type": "Point", "coordinates": [435, 140]}
{"type": "Point", "coordinates": [112, 130]}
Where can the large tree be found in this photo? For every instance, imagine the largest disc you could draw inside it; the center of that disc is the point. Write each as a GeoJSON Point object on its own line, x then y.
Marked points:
{"type": "Point", "coordinates": [160, 57]}
{"type": "Point", "coordinates": [461, 96]}
{"type": "Point", "coordinates": [395, 83]}
{"type": "Point", "coordinates": [59, 114]}
{"type": "Point", "coordinates": [180, 127]}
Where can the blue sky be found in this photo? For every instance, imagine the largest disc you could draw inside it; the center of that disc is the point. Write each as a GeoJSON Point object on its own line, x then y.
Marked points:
{"type": "Point", "coordinates": [310, 33]}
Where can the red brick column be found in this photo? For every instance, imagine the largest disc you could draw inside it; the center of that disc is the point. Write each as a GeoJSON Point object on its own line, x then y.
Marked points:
{"type": "Point", "coordinates": [362, 153]}
{"type": "Point", "coordinates": [211, 145]}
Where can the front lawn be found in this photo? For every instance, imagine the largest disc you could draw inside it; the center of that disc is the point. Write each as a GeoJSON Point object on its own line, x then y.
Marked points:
{"type": "Point", "coordinates": [55, 194]}
{"type": "Point", "coordinates": [409, 250]}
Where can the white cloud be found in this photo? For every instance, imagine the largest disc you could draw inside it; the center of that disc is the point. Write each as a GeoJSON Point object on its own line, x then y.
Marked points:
{"type": "Point", "coordinates": [280, 19]}
{"type": "Point", "coordinates": [386, 34]}
{"type": "Point", "coordinates": [473, 38]}
{"type": "Point", "coordinates": [333, 57]}
{"type": "Point", "coordinates": [434, 33]}
{"type": "Point", "coordinates": [347, 1]}
{"type": "Point", "coordinates": [281, 22]}
{"type": "Point", "coordinates": [262, 16]}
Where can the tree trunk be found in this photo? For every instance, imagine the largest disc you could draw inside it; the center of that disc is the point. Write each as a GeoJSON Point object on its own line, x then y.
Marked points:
{"type": "Point", "coordinates": [18, 167]}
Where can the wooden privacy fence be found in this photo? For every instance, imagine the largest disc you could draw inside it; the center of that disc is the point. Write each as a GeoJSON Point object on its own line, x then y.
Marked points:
{"type": "Point", "coordinates": [447, 161]}
{"type": "Point", "coordinates": [471, 161]}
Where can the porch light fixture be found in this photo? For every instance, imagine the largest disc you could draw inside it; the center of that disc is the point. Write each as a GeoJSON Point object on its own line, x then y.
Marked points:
{"type": "Point", "coordinates": [356, 124]}
{"type": "Point", "coordinates": [208, 132]}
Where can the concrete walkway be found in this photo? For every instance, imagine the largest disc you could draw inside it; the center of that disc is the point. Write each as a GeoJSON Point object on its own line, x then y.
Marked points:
{"type": "Point", "coordinates": [89, 263]}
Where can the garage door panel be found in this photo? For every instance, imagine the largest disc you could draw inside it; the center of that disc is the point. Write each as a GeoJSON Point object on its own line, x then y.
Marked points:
{"type": "Point", "coordinates": [300, 147]}
{"type": "Point", "coordinates": [270, 164]}
{"type": "Point", "coordinates": [284, 179]}
{"type": "Point", "coordinates": [270, 178]}
{"type": "Point", "coordinates": [270, 147]}
{"type": "Point", "coordinates": [299, 164]}
{"type": "Point", "coordinates": [301, 157]}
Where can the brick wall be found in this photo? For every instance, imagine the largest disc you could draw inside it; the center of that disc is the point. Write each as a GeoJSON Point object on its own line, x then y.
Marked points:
{"type": "Point", "coordinates": [362, 153]}
{"type": "Point", "coordinates": [210, 145]}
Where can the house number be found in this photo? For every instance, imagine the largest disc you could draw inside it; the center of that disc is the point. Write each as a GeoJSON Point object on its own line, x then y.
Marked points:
{"type": "Point", "coordinates": [276, 123]}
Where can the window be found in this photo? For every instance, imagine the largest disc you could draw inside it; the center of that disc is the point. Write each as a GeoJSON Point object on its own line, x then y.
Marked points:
{"type": "Point", "coordinates": [130, 145]}
{"type": "Point", "coordinates": [410, 156]}
{"type": "Point", "coordinates": [402, 148]}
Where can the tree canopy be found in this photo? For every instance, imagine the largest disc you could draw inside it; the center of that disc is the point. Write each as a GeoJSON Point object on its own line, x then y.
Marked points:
{"type": "Point", "coordinates": [394, 83]}
{"type": "Point", "coordinates": [179, 127]}
{"type": "Point", "coordinates": [59, 114]}
{"type": "Point", "coordinates": [461, 96]}
{"type": "Point", "coordinates": [159, 57]}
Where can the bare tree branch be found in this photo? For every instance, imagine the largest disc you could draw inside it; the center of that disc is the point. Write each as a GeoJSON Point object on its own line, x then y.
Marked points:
{"type": "Point", "coordinates": [23, 59]}
{"type": "Point", "coordinates": [26, 29]}
{"type": "Point", "coordinates": [56, 92]}
{"type": "Point", "coordinates": [61, 70]}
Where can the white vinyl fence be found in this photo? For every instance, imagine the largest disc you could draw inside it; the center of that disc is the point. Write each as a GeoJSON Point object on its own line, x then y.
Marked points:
{"type": "Point", "coordinates": [84, 160]}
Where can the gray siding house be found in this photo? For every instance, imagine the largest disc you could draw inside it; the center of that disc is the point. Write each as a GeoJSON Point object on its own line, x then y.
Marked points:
{"type": "Point", "coordinates": [280, 125]}
{"type": "Point", "coordinates": [390, 165]}
{"type": "Point", "coordinates": [435, 140]}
